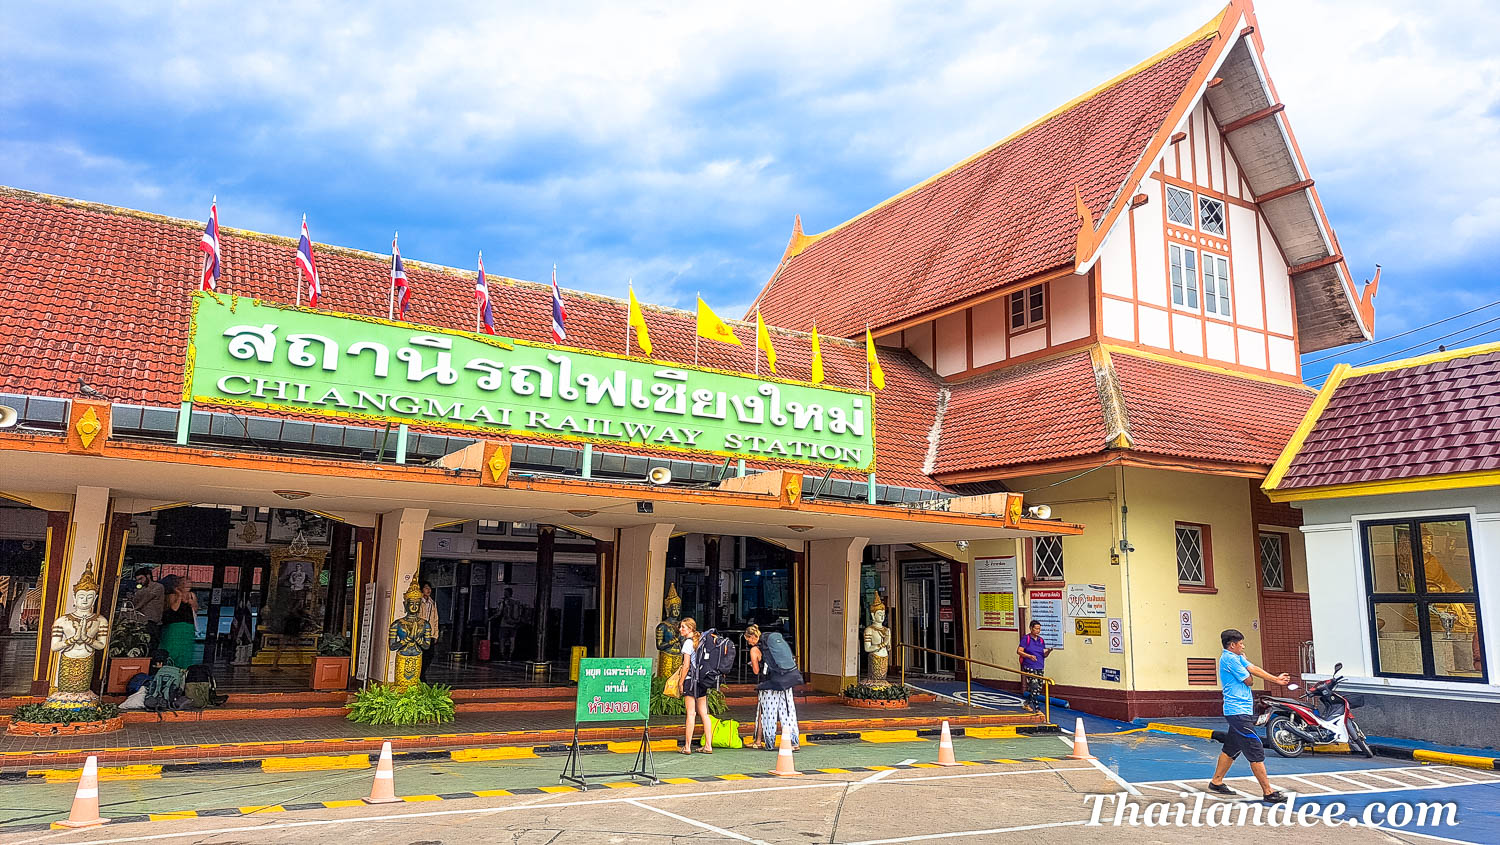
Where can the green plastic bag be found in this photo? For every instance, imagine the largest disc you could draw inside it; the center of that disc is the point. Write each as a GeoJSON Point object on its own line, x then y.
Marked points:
{"type": "Point", "coordinates": [726, 734]}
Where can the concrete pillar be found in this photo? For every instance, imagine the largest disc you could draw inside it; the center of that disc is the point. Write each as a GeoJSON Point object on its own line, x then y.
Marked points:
{"type": "Point", "coordinates": [640, 586]}
{"type": "Point", "coordinates": [711, 557]}
{"type": "Point", "coordinates": [833, 612]}
{"type": "Point", "coordinates": [85, 543]}
{"type": "Point", "coordinates": [546, 548]}
{"type": "Point", "coordinates": [87, 536]}
{"type": "Point", "coordinates": [398, 555]}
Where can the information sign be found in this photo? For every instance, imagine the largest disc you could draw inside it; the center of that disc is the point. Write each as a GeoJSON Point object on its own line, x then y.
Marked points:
{"type": "Point", "coordinates": [1086, 600]}
{"type": "Point", "coordinates": [995, 579]}
{"type": "Point", "coordinates": [1047, 608]}
{"type": "Point", "coordinates": [614, 689]}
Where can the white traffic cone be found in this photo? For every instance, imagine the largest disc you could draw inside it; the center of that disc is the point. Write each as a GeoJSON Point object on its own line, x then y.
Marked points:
{"type": "Point", "coordinates": [383, 790]}
{"type": "Point", "coordinates": [85, 811]}
{"type": "Point", "coordinates": [785, 767]}
{"type": "Point", "coordinates": [945, 747]}
{"type": "Point", "coordinates": [1080, 743]}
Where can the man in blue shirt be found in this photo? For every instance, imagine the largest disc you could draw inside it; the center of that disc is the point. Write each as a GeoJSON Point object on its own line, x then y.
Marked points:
{"type": "Point", "coordinates": [1033, 652]}
{"type": "Point", "coordinates": [1236, 675]}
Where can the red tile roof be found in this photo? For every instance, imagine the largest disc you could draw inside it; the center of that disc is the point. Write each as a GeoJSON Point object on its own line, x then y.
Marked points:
{"type": "Point", "coordinates": [1429, 419]}
{"type": "Point", "coordinates": [101, 294]}
{"type": "Point", "coordinates": [1189, 412]}
{"type": "Point", "coordinates": [1036, 412]}
{"type": "Point", "coordinates": [1002, 216]}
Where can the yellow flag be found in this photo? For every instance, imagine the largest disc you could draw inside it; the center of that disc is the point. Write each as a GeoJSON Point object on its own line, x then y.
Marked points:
{"type": "Point", "coordinates": [817, 362]}
{"type": "Point", "coordinates": [877, 375]}
{"type": "Point", "coordinates": [638, 322]}
{"type": "Point", "coordinates": [711, 327]}
{"type": "Point", "coordinates": [763, 340]}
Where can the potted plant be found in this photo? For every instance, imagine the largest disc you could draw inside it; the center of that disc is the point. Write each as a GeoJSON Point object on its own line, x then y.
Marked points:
{"type": "Point", "coordinates": [129, 651]}
{"type": "Point", "coordinates": [886, 697]}
{"type": "Point", "coordinates": [331, 667]}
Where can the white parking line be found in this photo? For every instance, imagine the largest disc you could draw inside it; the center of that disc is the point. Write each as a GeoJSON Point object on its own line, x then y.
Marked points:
{"type": "Point", "coordinates": [1363, 786]}
{"type": "Point", "coordinates": [695, 823]}
{"type": "Point", "coordinates": [1306, 782]}
{"type": "Point", "coordinates": [927, 837]}
{"type": "Point", "coordinates": [1468, 776]}
{"type": "Point", "coordinates": [1108, 772]}
{"type": "Point", "coordinates": [1369, 774]}
{"type": "Point", "coordinates": [1411, 774]}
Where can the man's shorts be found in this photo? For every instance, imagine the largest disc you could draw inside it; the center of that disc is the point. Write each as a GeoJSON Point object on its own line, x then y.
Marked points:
{"type": "Point", "coordinates": [1242, 738]}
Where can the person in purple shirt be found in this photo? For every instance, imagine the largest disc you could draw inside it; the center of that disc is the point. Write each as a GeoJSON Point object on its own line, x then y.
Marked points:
{"type": "Point", "coordinates": [1033, 652]}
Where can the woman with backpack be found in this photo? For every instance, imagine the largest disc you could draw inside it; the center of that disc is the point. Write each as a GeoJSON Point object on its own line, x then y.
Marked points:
{"type": "Point", "coordinates": [777, 676]}
{"type": "Point", "coordinates": [695, 685]}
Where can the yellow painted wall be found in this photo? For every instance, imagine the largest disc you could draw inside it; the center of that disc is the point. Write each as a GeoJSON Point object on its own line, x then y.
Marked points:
{"type": "Point", "coordinates": [1154, 658]}
{"type": "Point", "coordinates": [1158, 499]}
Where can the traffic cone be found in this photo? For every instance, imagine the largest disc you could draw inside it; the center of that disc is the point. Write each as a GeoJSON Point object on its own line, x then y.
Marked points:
{"type": "Point", "coordinates": [784, 766]}
{"type": "Point", "coordinates": [945, 747]}
{"type": "Point", "coordinates": [1080, 743]}
{"type": "Point", "coordinates": [85, 812]}
{"type": "Point", "coordinates": [383, 791]}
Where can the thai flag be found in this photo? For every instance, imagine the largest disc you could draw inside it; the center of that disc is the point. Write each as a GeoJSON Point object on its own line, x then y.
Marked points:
{"type": "Point", "coordinates": [399, 286]}
{"type": "Point", "coordinates": [559, 313]}
{"type": "Point", "coordinates": [482, 298]}
{"type": "Point", "coordinates": [209, 245]}
{"type": "Point", "coordinates": [309, 268]}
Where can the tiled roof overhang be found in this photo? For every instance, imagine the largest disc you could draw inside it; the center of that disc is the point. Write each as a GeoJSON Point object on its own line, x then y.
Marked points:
{"type": "Point", "coordinates": [1373, 428]}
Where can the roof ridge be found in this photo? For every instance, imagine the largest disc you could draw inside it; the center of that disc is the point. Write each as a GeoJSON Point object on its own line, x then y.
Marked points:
{"type": "Point", "coordinates": [1424, 360]}
{"type": "Point", "coordinates": [1204, 32]}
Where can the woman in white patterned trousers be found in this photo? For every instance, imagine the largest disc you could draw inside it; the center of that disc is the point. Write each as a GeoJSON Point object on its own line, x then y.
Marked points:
{"type": "Point", "coordinates": [776, 688]}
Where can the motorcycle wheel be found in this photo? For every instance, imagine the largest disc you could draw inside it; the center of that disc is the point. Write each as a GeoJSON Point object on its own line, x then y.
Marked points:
{"type": "Point", "coordinates": [1281, 739]}
{"type": "Point", "coordinates": [1357, 741]}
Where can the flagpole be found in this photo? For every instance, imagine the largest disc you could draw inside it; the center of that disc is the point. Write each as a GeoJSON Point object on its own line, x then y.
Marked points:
{"type": "Point", "coordinates": [390, 308]}
{"type": "Point", "coordinates": [478, 309]}
{"type": "Point", "coordinates": [757, 344]}
{"type": "Point", "coordinates": [630, 286]}
{"type": "Point", "coordinates": [867, 358]}
{"type": "Point", "coordinates": [699, 312]}
{"type": "Point", "coordinates": [299, 269]}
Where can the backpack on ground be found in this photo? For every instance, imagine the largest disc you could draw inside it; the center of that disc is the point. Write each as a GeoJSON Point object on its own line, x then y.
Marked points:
{"type": "Point", "coordinates": [716, 655]}
{"type": "Point", "coordinates": [165, 689]}
{"type": "Point", "coordinates": [200, 686]}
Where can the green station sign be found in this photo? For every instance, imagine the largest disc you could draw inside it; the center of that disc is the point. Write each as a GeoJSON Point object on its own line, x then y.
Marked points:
{"type": "Point", "coordinates": [614, 689]}
{"type": "Point", "coordinates": [253, 354]}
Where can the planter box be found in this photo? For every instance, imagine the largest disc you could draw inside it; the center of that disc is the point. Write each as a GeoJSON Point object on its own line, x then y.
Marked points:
{"type": "Point", "coordinates": [122, 669]}
{"type": "Point", "coordinates": [876, 704]}
{"type": "Point", "coordinates": [330, 673]}
{"type": "Point", "coordinates": [46, 729]}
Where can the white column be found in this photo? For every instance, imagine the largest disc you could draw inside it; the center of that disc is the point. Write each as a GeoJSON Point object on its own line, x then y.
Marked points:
{"type": "Point", "coordinates": [833, 611]}
{"type": "Point", "coordinates": [641, 573]}
{"type": "Point", "coordinates": [398, 555]}
{"type": "Point", "coordinates": [86, 538]}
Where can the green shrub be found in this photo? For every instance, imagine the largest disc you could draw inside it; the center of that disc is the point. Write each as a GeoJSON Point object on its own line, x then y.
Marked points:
{"type": "Point", "coordinates": [128, 637]}
{"type": "Point", "coordinates": [333, 645]}
{"type": "Point", "coordinates": [666, 705]}
{"type": "Point", "coordinates": [419, 704]}
{"type": "Point", "coordinates": [40, 714]}
{"type": "Point", "coordinates": [865, 692]}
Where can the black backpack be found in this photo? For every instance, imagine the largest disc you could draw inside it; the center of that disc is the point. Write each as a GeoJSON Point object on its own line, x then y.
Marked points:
{"type": "Point", "coordinates": [716, 656]}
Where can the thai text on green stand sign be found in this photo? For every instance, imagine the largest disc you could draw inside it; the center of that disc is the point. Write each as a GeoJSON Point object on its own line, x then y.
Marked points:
{"type": "Point", "coordinates": [614, 689]}
{"type": "Point", "coordinates": [254, 354]}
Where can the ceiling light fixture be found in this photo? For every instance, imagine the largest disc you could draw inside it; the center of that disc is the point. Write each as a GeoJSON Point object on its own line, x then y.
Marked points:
{"type": "Point", "coordinates": [582, 514]}
{"type": "Point", "coordinates": [292, 495]}
{"type": "Point", "coordinates": [800, 528]}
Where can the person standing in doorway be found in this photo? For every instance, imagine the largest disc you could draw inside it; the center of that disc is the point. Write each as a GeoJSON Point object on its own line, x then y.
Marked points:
{"type": "Point", "coordinates": [507, 619]}
{"type": "Point", "coordinates": [429, 612]}
{"type": "Point", "coordinates": [1033, 652]}
{"type": "Point", "coordinates": [1236, 674]}
{"type": "Point", "coordinates": [149, 601]}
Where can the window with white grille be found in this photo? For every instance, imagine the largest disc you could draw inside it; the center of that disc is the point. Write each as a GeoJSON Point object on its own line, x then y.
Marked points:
{"type": "Point", "coordinates": [1272, 561]}
{"type": "Point", "coordinates": [1192, 569]}
{"type": "Point", "coordinates": [1184, 276]}
{"type": "Point", "coordinates": [1211, 215]}
{"type": "Point", "coordinates": [1180, 207]}
{"type": "Point", "coordinates": [1215, 285]}
{"type": "Point", "coordinates": [1047, 559]}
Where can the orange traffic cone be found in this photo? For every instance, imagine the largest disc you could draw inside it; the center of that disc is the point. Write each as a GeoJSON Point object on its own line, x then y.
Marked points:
{"type": "Point", "coordinates": [945, 747]}
{"type": "Point", "coordinates": [1080, 743]}
{"type": "Point", "coordinates": [784, 765]}
{"type": "Point", "coordinates": [85, 812]}
{"type": "Point", "coordinates": [383, 791]}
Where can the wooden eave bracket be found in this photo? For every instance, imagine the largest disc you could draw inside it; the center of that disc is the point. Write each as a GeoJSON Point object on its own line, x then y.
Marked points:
{"type": "Point", "coordinates": [1253, 117]}
{"type": "Point", "coordinates": [1088, 239]}
{"type": "Point", "coordinates": [1315, 264]}
{"type": "Point", "coordinates": [1367, 302]}
{"type": "Point", "coordinates": [1285, 190]}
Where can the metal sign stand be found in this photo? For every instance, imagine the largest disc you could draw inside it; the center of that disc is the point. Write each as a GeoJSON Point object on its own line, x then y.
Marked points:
{"type": "Point", "coordinates": [642, 767]}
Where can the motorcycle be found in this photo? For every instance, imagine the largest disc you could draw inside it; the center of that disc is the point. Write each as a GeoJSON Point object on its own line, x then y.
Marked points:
{"type": "Point", "coordinates": [1320, 716]}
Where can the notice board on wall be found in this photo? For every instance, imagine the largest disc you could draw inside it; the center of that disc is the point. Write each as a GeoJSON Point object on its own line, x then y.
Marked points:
{"type": "Point", "coordinates": [995, 579]}
{"type": "Point", "coordinates": [1047, 608]}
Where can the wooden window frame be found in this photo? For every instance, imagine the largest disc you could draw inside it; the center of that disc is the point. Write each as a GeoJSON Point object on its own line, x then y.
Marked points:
{"type": "Point", "coordinates": [1223, 215]}
{"type": "Point", "coordinates": [1031, 571]}
{"type": "Point", "coordinates": [1192, 207]}
{"type": "Point", "coordinates": [1286, 563]}
{"type": "Point", "coordinates": [1223, 285]}
{"type": "Point", "coordinates": [1189, 276]}
{"type": "Point", "coordinates": [1205, 535]}
{"type": "Point", "coordinates": [1029, 324]}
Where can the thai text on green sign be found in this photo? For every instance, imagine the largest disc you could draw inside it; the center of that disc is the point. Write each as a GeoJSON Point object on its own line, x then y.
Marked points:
{"type": "Point", "coordinates": [614, 689]}
{"type": "Point", "coordinates": [255, 354]}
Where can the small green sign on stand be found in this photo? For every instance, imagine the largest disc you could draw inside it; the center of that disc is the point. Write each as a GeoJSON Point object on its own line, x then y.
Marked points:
{"type": "Point", "coordinates": [613, 689]}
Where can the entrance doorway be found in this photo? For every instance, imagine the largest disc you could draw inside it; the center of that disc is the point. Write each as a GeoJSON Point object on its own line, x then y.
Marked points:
{"type": "Point", "coordinates": [929, 618]}
{"type": "Point", "coordinates": [23, 543]}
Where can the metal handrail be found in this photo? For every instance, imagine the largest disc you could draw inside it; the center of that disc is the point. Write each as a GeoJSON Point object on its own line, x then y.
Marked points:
{"type": "Point", "coordinates": [969, 676]}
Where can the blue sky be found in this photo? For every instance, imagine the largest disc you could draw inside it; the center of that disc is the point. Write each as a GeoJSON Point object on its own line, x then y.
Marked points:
{"type": "Point", "coordinates": [673, 143]}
